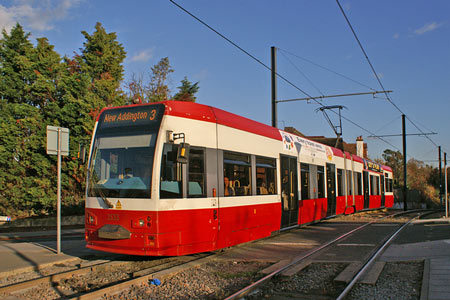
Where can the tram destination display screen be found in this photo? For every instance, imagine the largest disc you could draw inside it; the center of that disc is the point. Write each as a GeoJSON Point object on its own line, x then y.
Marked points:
{"type": "Point", "coordinates": [148, 115]}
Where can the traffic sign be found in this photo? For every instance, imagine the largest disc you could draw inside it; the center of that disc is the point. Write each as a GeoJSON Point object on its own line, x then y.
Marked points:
{"type": "Point", "coordinates": [53, 142]}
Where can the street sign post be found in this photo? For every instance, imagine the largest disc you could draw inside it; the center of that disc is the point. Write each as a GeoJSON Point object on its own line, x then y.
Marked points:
{"type": "Point", "coordinates": [58, 144]}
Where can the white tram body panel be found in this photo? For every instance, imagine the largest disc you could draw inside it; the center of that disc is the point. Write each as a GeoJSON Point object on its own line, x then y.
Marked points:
{"type": "Point", "coordinates": [174, 178]}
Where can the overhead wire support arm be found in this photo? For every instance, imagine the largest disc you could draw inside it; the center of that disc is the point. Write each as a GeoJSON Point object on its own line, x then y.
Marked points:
{"type": "Point", "coordinates": [336, 128]}
{"type": "Point", "coordinates": [393, 135]}
{"type": "Point", "coordinates": [334, 96]}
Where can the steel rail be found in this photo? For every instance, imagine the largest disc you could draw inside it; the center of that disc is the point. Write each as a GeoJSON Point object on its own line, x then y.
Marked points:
{"type": "Point", "coordinates": [123, 285]}
{"type": "Point", "coordinates": [241, 293]}
{"type": "Point", "coordinates": [54, 278]}
{"type": "Point", "coordinates": [372, 259]}
{"type": "Point", "coordinates": [110, 288]}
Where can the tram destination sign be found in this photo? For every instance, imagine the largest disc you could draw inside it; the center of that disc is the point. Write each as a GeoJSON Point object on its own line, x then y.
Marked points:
{"type": "Point", "coordinates": [131, 116]}
{"type": "Point", "coordinates": [373, 166]}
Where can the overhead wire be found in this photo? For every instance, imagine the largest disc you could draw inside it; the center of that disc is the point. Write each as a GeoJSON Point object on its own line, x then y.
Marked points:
{"type": "Point", "coordinates": [282, 51]}
{"type": "Point", "coordinates": [389, 123]}
{"type": "Point", "coordinates": [344, 76]}
{"type": "Point", "coordinates": [238, 47]}
{"type": "Point", "coordinates": [327, 69]}
{"type": "Point", "coordinates": [376, 74]}
{"type": "Point", "coordinates": [302, 73]}
{"type": "Point", "coordinates": [279, 75]}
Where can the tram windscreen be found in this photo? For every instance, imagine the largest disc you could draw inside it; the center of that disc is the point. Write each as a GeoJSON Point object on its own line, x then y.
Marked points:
{"type": "Point", "coordinates": [121, 166]}
{"type": "Point", "coordinates": [121, 161]}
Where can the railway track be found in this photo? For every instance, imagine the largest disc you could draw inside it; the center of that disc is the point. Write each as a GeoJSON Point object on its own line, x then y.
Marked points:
{"type": "Point", "coordinates": [355, 269]}
{"type": "Point", "coordinates": [133, 279]}
{"type": "Point", "coordinates": [94, 281]}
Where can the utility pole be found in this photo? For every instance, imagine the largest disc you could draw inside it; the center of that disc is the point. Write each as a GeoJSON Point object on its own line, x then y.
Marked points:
{"type": "Point", "coordinates": [273, 52]}
{"type": "Point", "coordinates": [440, 176]}
{"type": "Point", "coordinates": [405, 188]}
{"type": "Point", "coordinates": [446, 196]}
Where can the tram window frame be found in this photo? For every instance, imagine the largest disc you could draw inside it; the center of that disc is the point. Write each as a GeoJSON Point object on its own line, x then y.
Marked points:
{"type": "Point", "coordinates": [391, 185]}
{"type": "Point", "coordinates": [374, 185]}
{"type": "Point", "coordinates": [173, 173]}
{"type": "Point", "coordinates": [305, 180]}
{"type": "Point", "coordinates": [196, 173]}
{"type": "Point", "coordinates": [320, 182]}
{"type": "Point", "coordinates": [237, 167]}
{"type": "Point", "coordinates": [340, 182]}
{"type": "Point", "coordinates": [266, 173]}
{"type": "Point", "coordinates": [358, 181]}
{"type": "Point", "coordinates": [349, 183]}
{"type": "Point", "coordinates": [377, 182]}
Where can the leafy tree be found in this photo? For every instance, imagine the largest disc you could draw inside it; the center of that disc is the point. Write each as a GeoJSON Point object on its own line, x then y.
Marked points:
{"type": "Point", "coordinates": [102, 58]}
{"type": "Point", "coordinates": [136, 88]}
{"type": "Point", "coordinates": [29, 78]}
{"type": "Point", "coordinates": [394, 159]}
{"type": "Point", "coordinates": [90, 81]}
{"type": "Point", "coordinates": [25, 177]}
{"type": "Point", "coordinates": [27, 83]}
{"type": "Point", "coordinates": [38, 88]}
{"type": "Point", "coordinates": [158, 89]}
{"type": "Point", "coordinates": [420, 177]}
{"type": "Point", "coordinates": [187, 90]}
{"type": "Point", "coordinates": [16, 69]}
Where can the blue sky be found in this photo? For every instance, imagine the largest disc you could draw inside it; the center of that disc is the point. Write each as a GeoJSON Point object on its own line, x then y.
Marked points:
{"type": "Point", "coordinates": [407, 41]}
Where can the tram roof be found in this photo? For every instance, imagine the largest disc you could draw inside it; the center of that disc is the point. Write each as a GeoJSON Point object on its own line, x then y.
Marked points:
{"type": "Point", "coordinates": [212, 114]}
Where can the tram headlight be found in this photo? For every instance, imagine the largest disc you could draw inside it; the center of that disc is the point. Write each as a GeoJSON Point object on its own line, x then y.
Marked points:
{"type": "Point", "coordinates": [142, 222]}
{"type": "Point", "coordinates": [91, 219]}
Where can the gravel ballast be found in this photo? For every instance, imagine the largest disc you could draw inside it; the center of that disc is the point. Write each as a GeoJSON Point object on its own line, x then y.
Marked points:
{"type": "Point", "coordinates": [213, 280]}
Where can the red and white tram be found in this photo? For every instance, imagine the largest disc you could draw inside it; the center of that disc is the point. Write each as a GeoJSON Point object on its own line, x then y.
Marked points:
{"type": "Point", "coordinates": [174, 178]}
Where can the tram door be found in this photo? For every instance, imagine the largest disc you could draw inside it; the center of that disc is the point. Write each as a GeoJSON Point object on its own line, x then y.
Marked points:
{"type": "Point", "coordinates": [331, 189]}
{"type": "Point", "coordinates": [289, 192]}
{"type": "Point", "coordinates": [366, 188]}
{"type": "Point", "coordinates": [382, 189]}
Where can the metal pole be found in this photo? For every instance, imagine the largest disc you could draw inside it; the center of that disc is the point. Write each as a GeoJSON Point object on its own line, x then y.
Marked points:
{"type": "Point", "coordinates": [405, 188]}
{"type": "Point", "coordinates": [445, 184]}
{"type": "Point", "coordinates": [58, 203]}
{"type": "Point", "coordinates": [440, 176]}
{"type": "Point", "coordinates": [273, 53]}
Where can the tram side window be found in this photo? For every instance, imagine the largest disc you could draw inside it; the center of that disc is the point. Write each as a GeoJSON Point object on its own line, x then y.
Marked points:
{"type": "Point", "coordinates": [305, 178]}
{"type": "Point", "coordinates": [237, 174]}
{"type": "Point", "coordinates": [171, 173]}
{"type": "Point", "coordinates": [389, 187]}
{"type": "Point", "coordinates": [340, 182]}
{"type": "Point", "coordinates": [197, 184]}
{"type": "Point", "coordinates": [374, 185]}
{"type": "Point", "coordinates": [349, 183]}
{"type": "Point", "coordinates": [320, 182]}
{"type": "Point", "coordinates": [266, 176]}
{"type": "Point", "coordinates": [386, 184]}
{"type": "Point", "coordinates": [377, 182]}
{"type": "Point", "coordinates": [358, 181]}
